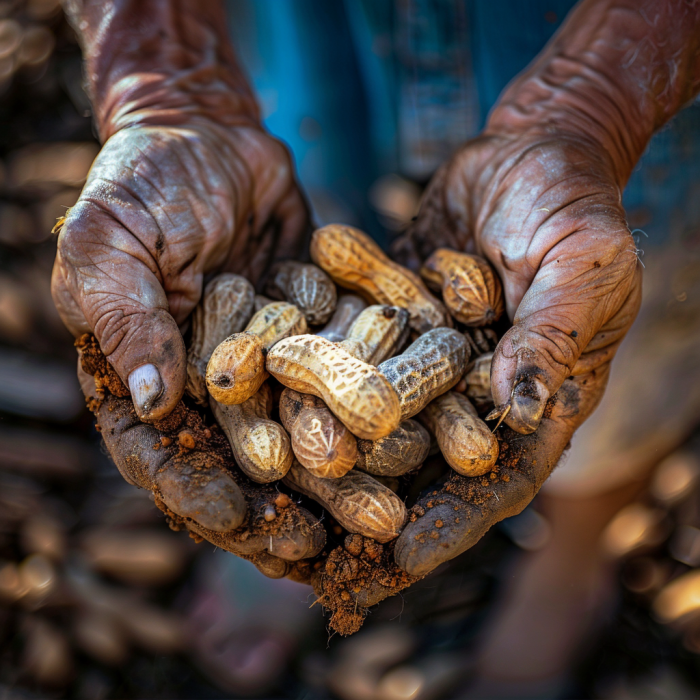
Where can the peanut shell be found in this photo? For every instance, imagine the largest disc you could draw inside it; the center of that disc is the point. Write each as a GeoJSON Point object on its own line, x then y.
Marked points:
{"type": "Point", "coordinates": [398, 453]}
{"type": "Point", "coordinates": [306, 286]}
{"type": "Point", "coordinates": [226, 306]}
{"type": "Point", "coordinates": [465, 441]}
{"type": "Point", "coordinates": [347, 309]}
{"type": "Point", "coordinates": [430, 366]}
{"type": "Point", "coordinates": [478, 380]}
{"type": "Point", "coordinates": [320, 441]}
{"type": "Point", "coordinates": [355, 261]}
{"type": "Point", "coordinates": [471, 289]}
{"type": "Point", "coordinates": [260, 446]}
{"type": "Point", "coordinates": [236, 369]}
{"type": "Point", "coordinates": [377, 333]}
{"type": "Point", "coordinates": [357, 393]}
{"type": "Point", "coordinates": [357, 501]}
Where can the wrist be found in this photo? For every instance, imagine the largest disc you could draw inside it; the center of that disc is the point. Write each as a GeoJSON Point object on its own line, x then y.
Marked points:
{"type": "Point", "coordinates": [615, 73]}
{"type": "Point", "coordinates": [160, 62]}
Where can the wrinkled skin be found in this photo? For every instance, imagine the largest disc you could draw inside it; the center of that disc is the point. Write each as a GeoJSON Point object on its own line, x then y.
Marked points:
{"type": "Point", "coordinates": [162, 208]}
{"type": "Point", "coordinates": [546, 213]}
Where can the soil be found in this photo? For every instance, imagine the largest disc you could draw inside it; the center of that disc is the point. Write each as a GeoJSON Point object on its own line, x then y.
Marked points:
{"type": "Point", "coordinates": [355, 576]}
{"type": "Point", "coordinates": [95, 363]}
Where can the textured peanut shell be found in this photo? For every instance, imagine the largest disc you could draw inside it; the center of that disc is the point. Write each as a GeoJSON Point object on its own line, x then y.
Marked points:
{"type": "Point", "coordinates": [357, 393]}
{"type": "Point", "coordinates": [236, 369]}
{"type": "Point", "coordinates": [465, 441]}
{"type": "Point", "coordinates": [357, 501]}
{"type": "Point", "coordinates": [478, 380]}
{"type": "Point", "coordinates": [320, 441]}
{"type": "Point", "coordinates": [355, 261]}
{"type": "Point", "coordinates": [470, 288]}
{"type": "Point", "coordinates": [306, 286]}
{"type": "Point", "coordinates": [226, 306]}
{"type": "Point", "coordinates": [377, 333]}
{"type": "Point", "coordinates": [260, 446]}
{"type": "Point", "coordinates": [430, 366]}
{"type": "Point", "coordinates": [398, 453]}
{"type": "Point", "coordinates": [347, 309]}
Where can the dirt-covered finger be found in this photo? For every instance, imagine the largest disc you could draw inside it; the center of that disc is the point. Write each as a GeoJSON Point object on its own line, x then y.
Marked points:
{"type": "Point", "coordinates": [115, 283]}
{"type": "Point", "coordinates": [451, 519]}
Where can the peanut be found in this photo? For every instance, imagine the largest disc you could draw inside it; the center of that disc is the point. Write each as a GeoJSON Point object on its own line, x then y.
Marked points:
{"type": "Point", "coordinates": [471, 290]}
{"type": "Point", "coordinates": [398, 453]}
{"type": "Point", "coordinates": [430, 366]}
{"type": "Point", "coordinates": [377, 333]}
{"type": "Point", "coordinates": [347, 309]}
{"type": "Point", "coordinates": [357, 393]}
{"type": "Point", "coordinates": [226, 306]}
{"type": "Point", "coordinates": [355, 261]}
{"type": "Point", "coordinates": [465, 441]}
{"type": "Point", "coordinates": [306, 286]}
{"type": "Point", "coordinates": [479, 380]}
{"type": "Point", "coordinates": [260, 446]}
{"type": "Point", "coordinates": [319, 440]}
{"type": "Point", "coordinates": [236, 369]}
{"type": "Point", "coordinates": [261, 301]}
{"type": "Point", "coordinates": [357, 501]}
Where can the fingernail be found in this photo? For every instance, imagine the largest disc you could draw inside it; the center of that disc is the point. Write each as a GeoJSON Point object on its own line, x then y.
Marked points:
{"type": "Point", "coordinates": [527, 402]}
{"type": "Point", "coordinates": [146, 386]}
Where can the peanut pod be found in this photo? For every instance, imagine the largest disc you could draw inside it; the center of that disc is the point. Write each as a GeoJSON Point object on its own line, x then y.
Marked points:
{"type": "Point", "coordinates": [236, 369]}
{"type": "Point", "coordinates": [306, 286]}
{"type": "Point", "coordinates": [398, 453]}
{"type": "Point", "coordinates": [470, 288]}
{"type": "Point", "coordinates": [357, 501]}
{"type": "Point", "coordinates": [355, 261]}
{"type": "Point", "coordinates": [377, 333]}
{"type": "Point", "coordinates": [465, 441]}
{"type": "Point", "coordinates": [430, 366]}
{"type": "Point", "coordinates": [226, 306]}
{"type": "Point", "coordinates": [357, 393]}
{"type": "Point", "coordinates": [478, 380]}
{"type": "Point", "coordinates": [260, 446]}
{"type": "Point", "coordinates": [320, 441]}
{"type": "Point", "coordinates": [347, 309]}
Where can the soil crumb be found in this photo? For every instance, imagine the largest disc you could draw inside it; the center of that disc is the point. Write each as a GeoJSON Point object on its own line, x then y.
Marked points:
{"type": "Point", "coordinates": [355, 576]}
{"type": "Point", "coordinates": [95, 363]}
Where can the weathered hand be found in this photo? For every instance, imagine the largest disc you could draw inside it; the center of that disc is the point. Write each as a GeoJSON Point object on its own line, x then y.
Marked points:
{"type": "Point", "coordinates": [163, 207]}
{"type": "Point", "coordinates": [546, 212]}
{"type": "Point", "coordinates": [189, 468]}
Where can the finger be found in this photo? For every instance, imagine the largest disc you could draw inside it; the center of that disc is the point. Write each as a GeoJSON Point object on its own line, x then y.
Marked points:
{"type": "Point", "coordinates": [152, 459]}
{"type": "Point", "coordinates": [586, 289]}
{"type": "Point", "coordinates": [113, 281]}
{"type": "Point", "coordinates": [456, 516]}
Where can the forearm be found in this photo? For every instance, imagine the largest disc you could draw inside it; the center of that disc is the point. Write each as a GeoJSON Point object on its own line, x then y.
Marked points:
{"type": "Point", "coordinates": [615, 73]}
{"type": "Point", "coordinates": [159, 62]}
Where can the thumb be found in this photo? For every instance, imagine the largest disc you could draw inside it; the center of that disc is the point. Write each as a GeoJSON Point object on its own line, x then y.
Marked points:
{"type": "Point", "coordinates": [114, 283]}
{"type": "Point", "coordinates": [569, 322]}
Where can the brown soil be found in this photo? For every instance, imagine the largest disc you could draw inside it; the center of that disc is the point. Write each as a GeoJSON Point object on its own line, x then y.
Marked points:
{"type": "Point", "coordinates": [95, 363]}
{"type": "Point", "coordinates": [355, 576]}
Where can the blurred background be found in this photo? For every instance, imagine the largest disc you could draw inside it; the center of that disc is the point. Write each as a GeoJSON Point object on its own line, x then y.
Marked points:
{"type": "Point", "coordinates": [98, 599]}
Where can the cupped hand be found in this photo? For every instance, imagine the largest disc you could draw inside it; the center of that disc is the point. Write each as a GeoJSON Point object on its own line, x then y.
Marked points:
{"type": "Point", "coordinates": [163, 207]}
{"type": "Point", "coordinates": [546, 211]}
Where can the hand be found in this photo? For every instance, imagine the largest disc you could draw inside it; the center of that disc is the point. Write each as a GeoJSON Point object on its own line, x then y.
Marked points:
{"type": "Point", "coordinates": [194, 480]}
{"type": "Point", "coordinates": [546, 213]}
{"type": "Point", "coordinates": [163, 207]}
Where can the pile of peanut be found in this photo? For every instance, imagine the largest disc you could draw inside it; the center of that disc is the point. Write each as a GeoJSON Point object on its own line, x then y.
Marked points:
{"type": "Point", "coordinates": [359, 405]}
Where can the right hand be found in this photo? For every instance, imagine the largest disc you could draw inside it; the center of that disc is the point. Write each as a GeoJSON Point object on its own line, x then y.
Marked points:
{"type": "Point", "coordinates": [163, 207]}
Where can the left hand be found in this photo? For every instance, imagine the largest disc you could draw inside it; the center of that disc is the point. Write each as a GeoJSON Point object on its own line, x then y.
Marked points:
{"type": "Point", "coordinates": [546, 212]}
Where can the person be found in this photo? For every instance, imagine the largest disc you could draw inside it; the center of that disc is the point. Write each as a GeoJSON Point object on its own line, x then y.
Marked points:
{"type": "Point", "coordinates": [189, 183]}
